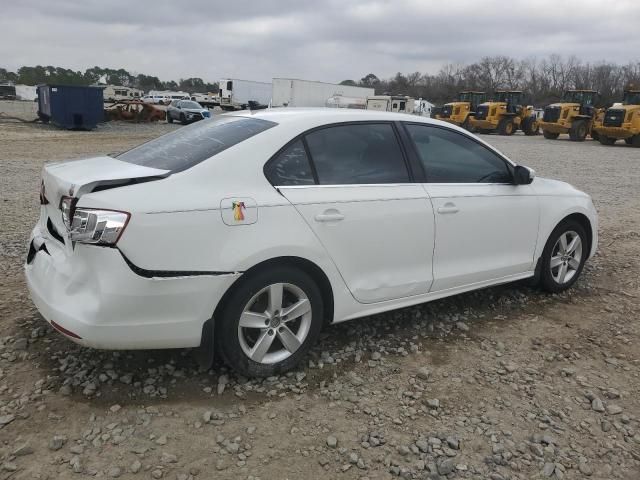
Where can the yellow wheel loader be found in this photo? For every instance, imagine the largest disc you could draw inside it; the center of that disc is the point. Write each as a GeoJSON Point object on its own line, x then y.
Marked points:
{"type": "Point", "coordinates": [460, 112]}
{"type": "Point", "coordinates": [622, 121]}
{"type": "Point", "coordinates": [575, 115]}
{"type": "Point", "coordinates": [505, 114]}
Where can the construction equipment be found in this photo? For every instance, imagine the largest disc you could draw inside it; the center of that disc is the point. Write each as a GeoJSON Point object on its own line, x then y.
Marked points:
{"type": "Point", "coordinates": [574, 115]}
{"type": "Point", "coordinates": [505, 114]}
{"type": "Point", "coordinates": [460, 112]}
{"type": "Point", "coordinates": [134, 111]}
{"type": "Point", "coordinates": [622, 121]}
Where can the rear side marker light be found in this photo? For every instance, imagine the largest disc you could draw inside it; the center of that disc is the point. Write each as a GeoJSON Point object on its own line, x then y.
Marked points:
{"type": "Point", "coordinates": [64, 331]}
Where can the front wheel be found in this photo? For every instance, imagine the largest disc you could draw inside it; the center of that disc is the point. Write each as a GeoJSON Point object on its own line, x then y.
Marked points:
{"type": "Point", "coordinates": [270, 322]}
{"type": "Point", "coordinates": [563, 256]}
{"type": "Point", "coordinates": [506, 127]}
{"type": "Point", "coordinates": [550, 135]}
{"type": "Point", "coordinates": [530, 126]}
{"type": "Point", "coordinates": [578, 131]}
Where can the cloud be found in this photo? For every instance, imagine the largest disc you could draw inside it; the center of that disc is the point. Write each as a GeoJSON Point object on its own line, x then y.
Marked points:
{"type": "Point", "coordinates": [327, 40]}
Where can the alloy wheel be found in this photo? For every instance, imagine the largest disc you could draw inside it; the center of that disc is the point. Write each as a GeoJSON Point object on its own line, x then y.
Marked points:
{"type": "Point", "coordinates": [566, 257]}
{"type": "Point", "coordinates": [274, 323]}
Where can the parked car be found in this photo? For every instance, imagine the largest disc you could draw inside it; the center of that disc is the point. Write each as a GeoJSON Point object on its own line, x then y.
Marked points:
{"type": "Point", "coordinates": [253, 231]}
{"type": "Point", "coordinates": [156, 99]}
{"type": "Point", "coordinates": [186, 111]}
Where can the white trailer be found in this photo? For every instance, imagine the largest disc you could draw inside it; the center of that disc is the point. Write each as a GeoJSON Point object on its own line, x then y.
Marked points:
{"type": "Point", "coordinates": [391, 103]}
{"type": "Point", "coordinates": [113, 93]}
{"type": "Point", "coordinates": [207, 100]}
{"type": "Point", "coordinates": [26, 92]}
{"type": "Point", "coordinates": [422, 107]}
{"type": "Point", "coordinates": [291, 92]}
{"type": "Point", "coordinates": [338, 101]}
{"type": "Point", "coordinates": [235, 94]}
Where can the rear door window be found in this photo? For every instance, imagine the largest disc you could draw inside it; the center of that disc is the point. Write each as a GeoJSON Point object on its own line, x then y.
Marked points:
{"type": "Point", "coordinates": [357, 154]}
{"type": "Point", "coordinates": [188, 146]}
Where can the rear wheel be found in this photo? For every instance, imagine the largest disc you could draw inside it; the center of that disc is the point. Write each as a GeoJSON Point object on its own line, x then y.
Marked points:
{"type": "Point", "coordinates": [183, 119]}
{"type": "Point", "coordinates": [606, 140]}
{"type": "Point", "coordinates": [169, 118]}
{"type": "Point", "coordinates": [550, 135]}
{"type": "Point", "coordinates": [578, 131]}
{"type": "Point", "coordinates": [563, 256]}
{"type": "Point", "coordinates": [270, 322]}
{"type": "Point", "coordinates": [467, 125]}
{"type": "Point", "coordinates": [530, 126]}
{"type": "Point", "coordinates": [506, 126]}
{"type": "Point", "coordinates": [594, 135]}
{"type": "Point", "coordinates": [635, 141]}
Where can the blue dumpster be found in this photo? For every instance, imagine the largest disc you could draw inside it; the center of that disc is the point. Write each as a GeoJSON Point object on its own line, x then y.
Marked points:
{"type": "Point", "coordinates": [71, 106]}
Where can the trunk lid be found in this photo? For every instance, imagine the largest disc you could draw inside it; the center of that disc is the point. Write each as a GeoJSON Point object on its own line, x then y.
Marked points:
{"type": "Point", "coordinates": [78, 177]}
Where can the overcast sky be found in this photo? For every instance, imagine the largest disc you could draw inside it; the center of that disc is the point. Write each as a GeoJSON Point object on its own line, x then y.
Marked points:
{"type": "Point", "coordinates": [328, 40]}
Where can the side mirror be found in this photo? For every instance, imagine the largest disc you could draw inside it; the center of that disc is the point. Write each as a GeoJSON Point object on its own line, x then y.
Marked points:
{"type": "Point", "coordinates": [523, 175]}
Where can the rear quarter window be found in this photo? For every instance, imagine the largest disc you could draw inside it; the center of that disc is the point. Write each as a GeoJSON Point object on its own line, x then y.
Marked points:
{"type": "Point", "coordinates": [188, 146]}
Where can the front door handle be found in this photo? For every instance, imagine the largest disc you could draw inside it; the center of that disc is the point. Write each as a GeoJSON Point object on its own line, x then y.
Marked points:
{"type": "Point", "coordinates": [448, 208]}
{"type": "Point", "coordinates": [330, 215]}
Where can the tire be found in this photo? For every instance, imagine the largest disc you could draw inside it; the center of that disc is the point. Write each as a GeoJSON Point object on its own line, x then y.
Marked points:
{"type": "Point", "coordinates": [529, 126]}
{"type": "Point", "coordinates": [594, 135]}
{"type": "Point", "coordinates": [628, 140]}
{"type": "Point", "coordinates": [552, 278]}
{"type": "Point", "coordinates": [578, 131]}
{"type": "Point", "coordinates": [484, 131]}
{"type": "Point", "coordinates": [235, 343]}
{"type": "Point", "coordinates": [169, 118]}
{"type": "Point", "coordinates": [635, 141]}
{"type": "Point", "coordinates": [550, 135]}
{"type": "Point", "coordinates": [606, 140]}
{"type": "Point", "coordinates": [183, 119]}
{"type": "Point", "coordinates": [506, 127]}
{"type": "Point", "coordinates": [467, 125]}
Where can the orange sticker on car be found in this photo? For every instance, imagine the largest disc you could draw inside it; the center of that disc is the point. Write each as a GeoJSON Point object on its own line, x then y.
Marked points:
{"type": "Point", "coordinates": [238, 213]}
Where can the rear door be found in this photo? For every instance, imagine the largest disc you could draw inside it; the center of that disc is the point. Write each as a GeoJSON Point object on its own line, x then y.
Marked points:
{"type": "Point", "coordinates": [486, 227]}
{"type": "Point", "coordinates": [352, 185]}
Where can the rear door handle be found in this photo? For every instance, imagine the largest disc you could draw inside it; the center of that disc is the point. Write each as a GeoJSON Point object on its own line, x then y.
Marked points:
{"type": "Point", "coordinates": [329, 216]}
{"type": "Point", "coordinates": [448, 208]}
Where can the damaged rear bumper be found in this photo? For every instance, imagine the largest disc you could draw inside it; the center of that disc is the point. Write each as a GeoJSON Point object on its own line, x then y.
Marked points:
{"type": "Point", "coordinates": [93, 296]}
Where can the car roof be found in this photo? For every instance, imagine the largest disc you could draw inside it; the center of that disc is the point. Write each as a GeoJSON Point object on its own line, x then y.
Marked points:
{"type": "Point", "coordinates": [322, 116]}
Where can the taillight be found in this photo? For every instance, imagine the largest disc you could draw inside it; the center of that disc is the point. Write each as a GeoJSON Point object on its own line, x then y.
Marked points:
{"type": "Point", "coordinates": [99, 227]}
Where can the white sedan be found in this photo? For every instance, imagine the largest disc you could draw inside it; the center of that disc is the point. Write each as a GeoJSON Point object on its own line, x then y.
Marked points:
{"type": "Point", "coordinates": [252, 231]}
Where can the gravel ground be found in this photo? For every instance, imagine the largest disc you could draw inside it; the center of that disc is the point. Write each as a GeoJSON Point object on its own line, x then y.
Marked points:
{"type": "Point", "coordinates": [504, 383]}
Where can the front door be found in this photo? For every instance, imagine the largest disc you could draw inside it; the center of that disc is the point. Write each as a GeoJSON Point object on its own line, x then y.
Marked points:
{"type": "Point", "coordinates": [486, 227]}
{"type": "Point", "coordinates": [358, 198]}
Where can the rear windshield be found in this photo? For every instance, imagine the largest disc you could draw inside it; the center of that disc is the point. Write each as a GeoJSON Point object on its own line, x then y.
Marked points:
{"type": "Point", "coordinates": [188, 146]}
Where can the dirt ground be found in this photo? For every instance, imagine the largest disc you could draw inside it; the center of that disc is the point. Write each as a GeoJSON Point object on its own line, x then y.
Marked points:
{"type": "Point", "coordinates": [503, 383]}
